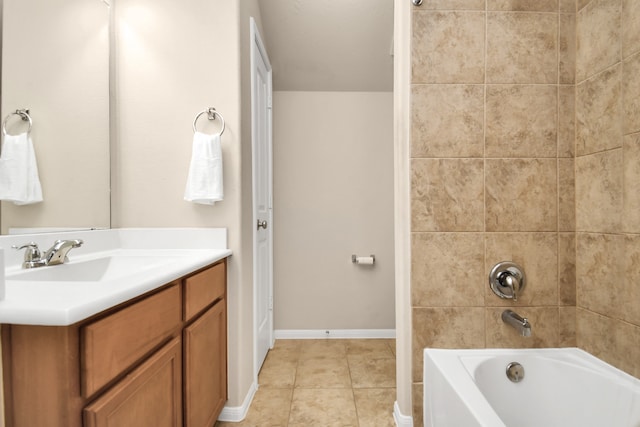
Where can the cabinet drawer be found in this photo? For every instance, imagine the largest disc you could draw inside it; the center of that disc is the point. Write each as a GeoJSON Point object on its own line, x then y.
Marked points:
{"type": "Point", "coordinates": [204, 288]}
{"type": "Point", "coordinates": [112, 344]}
{"type": "Point", "coordinates": [150, 396]}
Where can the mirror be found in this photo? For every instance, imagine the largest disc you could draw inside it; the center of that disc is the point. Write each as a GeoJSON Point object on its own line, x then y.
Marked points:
{"type": "Point", "coordinates": [55, 62]}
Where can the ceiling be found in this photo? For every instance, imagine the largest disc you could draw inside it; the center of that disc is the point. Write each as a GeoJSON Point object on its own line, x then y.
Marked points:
{"type": "Point", "coordinates": [329, 45]}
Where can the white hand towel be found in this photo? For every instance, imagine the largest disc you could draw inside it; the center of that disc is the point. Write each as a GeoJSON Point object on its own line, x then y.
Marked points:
{"type": "Point", "coordinates": [19, 180]}
{"type": "Point", "coordinates": [204, 183]}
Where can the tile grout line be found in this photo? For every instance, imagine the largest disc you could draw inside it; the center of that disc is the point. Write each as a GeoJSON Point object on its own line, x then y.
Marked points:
{"type": "Point", "coordinates": [267, 394]}
{"type": "Point", "coordinates": [295, 380]}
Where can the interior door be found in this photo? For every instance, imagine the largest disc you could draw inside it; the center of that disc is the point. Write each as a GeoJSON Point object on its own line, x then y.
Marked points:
{"type": "Point", "coordinates": [261, 96]}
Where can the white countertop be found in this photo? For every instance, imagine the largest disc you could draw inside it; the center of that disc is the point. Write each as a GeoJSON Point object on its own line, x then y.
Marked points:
{"type": "Point", "coordinates": [65, 303]}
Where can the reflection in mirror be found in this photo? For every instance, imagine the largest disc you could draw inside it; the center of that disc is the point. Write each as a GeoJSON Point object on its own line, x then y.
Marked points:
{"type": "Point", "coordinates": [55, 62]}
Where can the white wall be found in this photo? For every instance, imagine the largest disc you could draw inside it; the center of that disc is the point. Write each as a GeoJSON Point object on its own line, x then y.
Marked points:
{"type": "Point", "coordinates": [333, 197]}
{"type": "Point", "coordinates": [172, 62]}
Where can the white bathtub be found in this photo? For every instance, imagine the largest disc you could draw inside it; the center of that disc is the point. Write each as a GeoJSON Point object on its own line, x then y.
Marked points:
{"type": "Point", "coordinates": [561, 387]}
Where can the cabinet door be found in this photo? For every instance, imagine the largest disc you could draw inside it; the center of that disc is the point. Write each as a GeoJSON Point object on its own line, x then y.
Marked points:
{"type": "Point", "coordinates": [205, 367]}
{"type": "Point", "coordinates": [149, 396]}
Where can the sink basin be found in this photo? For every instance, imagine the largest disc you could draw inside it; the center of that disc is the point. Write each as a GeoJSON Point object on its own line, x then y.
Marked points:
{"type": "Point", "coordinates": [95, 270]}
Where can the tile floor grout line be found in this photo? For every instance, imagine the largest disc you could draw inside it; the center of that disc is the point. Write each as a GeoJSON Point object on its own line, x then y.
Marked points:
{"type": "Point", "coordinates": [282, 373]}
{"type": "Point", "coordinates": [353, 394]}
{"type": "Point", "coordinates": [295, 380]}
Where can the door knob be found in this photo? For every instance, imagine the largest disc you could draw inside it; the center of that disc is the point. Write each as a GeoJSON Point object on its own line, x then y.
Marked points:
{"type": "Point", "coordinates": [262, 224]}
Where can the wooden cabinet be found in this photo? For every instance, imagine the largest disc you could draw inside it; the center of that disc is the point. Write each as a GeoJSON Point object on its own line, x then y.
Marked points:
{"type": "Point", "coordinates": [205, 367]}
{"type": "Point", "coordinates": [205, 350]}
{"type": "Point", "coordinates": [150, 396]}
{"type": "Point", "coordinates": [112, 344]}
{"type": "Point", "coordinates": [202, 289]}
{"type": "Point", "coordinates": [160, 360]}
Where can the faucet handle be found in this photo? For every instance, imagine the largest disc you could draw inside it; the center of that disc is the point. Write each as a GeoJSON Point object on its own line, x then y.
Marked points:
{"type": "Point", "coordinates": [510, 281]}
{"type": "Point", "coordinates": [32, 252]}
{"type": "Point", "coordinates": [507, 280]}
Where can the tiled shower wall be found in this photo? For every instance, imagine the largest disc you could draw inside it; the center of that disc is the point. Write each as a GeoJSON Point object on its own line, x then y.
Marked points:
{"type": "Point", "coordinates": [492, 172]}
{"type": "Point", "coordinates": [608, 180]}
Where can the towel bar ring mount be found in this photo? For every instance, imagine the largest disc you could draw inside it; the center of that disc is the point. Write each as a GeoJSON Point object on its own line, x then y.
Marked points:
{"type": "Point", "coordinates": [24, 115]}
{"type": "Point", "coordinates": [211, 115]}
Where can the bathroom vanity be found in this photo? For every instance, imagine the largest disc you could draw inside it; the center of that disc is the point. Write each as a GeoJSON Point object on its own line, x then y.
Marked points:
{"type": "Point", "coordinates": [155, 359]}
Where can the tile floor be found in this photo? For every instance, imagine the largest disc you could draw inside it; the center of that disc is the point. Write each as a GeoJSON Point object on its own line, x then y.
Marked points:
{"type": "Point", "coordinates": [307, 383]}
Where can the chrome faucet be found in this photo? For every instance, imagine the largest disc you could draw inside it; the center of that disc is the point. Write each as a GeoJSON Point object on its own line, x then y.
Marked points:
{"type": "Point", "coordinates": [55, 255]}
{"type": "Point", "coordinates": [510, 281]}
{"type": "Point", "coordinates": [521, 324]}
{"type": "Point", "coordinates": [507, 280]}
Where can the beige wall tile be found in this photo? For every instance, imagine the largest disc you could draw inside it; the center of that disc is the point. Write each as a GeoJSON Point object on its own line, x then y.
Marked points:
{"type": "Point", "coordinates": [593, 333]}
{"type": "Point", "coordinates": [567, 269]}
{"type": "Point", "coordinates": [447, 121]}
{"type": "Point", "coordinates": [582, 3]}
{"type": "Point", "coordinates": [418, 403]}
{"type": "Point", "coordinates": [631, 184]}
{"type": "Point", "coordinates": [521, 121]}
{"type": "Point", "coordinates": [568, 6]}
{"type": "Point", "coordinates": [521, 195]}
{"type": "Point", "coordinates": [448, 47]}
{"type": "Point", "coordinates": [566, 121]}
{"type": "Point", "coordinates": [508, 34]}
{"type": "Point", "coordinates": [537, 254]}
{"type": "Point", "coordinates": [630, 27]}
{"type": "Point", "coordinates": [452, 5]}
{"type": "Point", "coordinates": [599, 179]}
{"type": "Point", "coordinates": [523, 5]}
{"type": "Point", "coordinates": [614, 341]}
{"type": "Point", "coordinates": [598, 112]}
{"type": "Point", "coordinates": [631, 94]}
{"type": "Point", "coordinates": [599, 260]}
{"type": "Point", "coordinates": [567, 53]}
{"type": "Point", "coordinates": [436, 259]}
{"type": "Point", "coordinates": [445, 328]}
{"type": "Point", "coordinates": [447, 194]}
{"type": "Point", "coordinates": [566, 195]}
{"type": "Point", "coordinates": [627, 337]}
{"type": "Point", "coordinates": [544, 328]}
{"type": "Point", "coordinates": [598, 37]}
{"type": "Point", "coordinates": [629, 287]}
{"type": "Point", "coordinates": [567, 327]}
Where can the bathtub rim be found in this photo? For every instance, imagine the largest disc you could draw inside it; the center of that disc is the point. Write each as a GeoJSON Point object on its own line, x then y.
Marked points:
{"type": "Point", "coordinates": [457, 368]}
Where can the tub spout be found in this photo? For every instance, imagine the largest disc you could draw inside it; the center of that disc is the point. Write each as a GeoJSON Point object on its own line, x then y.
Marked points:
{"type": "Point", "coordinates": [521, 324]}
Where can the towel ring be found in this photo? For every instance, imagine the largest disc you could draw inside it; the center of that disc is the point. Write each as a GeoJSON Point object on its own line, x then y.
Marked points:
{"type": "Point", "coordinates": [24, 115]}
{"type": "Point", "coordinates": [211, 115]}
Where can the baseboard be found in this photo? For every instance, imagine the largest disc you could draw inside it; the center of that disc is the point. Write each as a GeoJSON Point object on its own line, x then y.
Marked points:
{"type": "Point", "coordinates": [235, 414]}
{"type": "Point", "coordinates": [302, 334]}
{"type": "Point", "coordinates": [401, 420]}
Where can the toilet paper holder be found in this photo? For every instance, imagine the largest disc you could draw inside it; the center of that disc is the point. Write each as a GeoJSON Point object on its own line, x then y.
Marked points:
{"type": "Point", "coordinates": [371, 259]}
